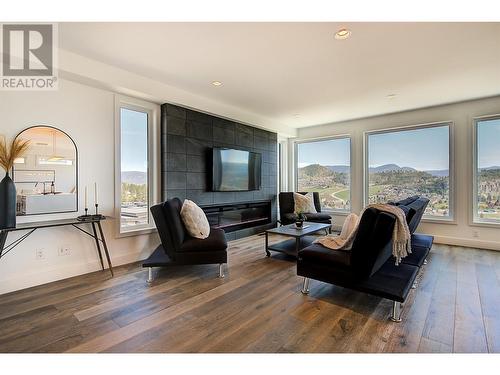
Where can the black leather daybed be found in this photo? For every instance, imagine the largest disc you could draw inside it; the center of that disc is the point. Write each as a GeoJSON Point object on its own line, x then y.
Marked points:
{"type": "Point", "coordinates": [369, 266]}
{"type": "Point", "coordinates": [177, 247]}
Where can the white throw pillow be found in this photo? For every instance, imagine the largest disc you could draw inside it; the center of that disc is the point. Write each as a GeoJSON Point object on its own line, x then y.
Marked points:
{"type": "Point", "coordinates": [194, 220]}
{"type": "Point", "coordinates": [304, 203]}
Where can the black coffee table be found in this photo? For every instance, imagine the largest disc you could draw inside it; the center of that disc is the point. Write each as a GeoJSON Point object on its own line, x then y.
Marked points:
{"type": "Point", "coordinates": [301, 237]}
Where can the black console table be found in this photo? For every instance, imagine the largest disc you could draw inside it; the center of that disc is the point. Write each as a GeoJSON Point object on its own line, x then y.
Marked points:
{"type": "Point", "coordinates": [95, 223]}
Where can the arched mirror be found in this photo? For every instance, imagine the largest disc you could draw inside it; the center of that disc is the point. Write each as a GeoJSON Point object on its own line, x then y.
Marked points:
{"type": "Point", "coordinates": [46, 177]}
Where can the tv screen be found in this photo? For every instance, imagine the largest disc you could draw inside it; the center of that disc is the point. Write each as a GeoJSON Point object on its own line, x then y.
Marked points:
{"type": "Point", "coordinates": [236, 170]}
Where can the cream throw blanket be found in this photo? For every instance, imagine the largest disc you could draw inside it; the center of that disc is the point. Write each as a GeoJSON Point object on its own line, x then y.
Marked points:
{"type": "Point", "coordinates": [401, 237]}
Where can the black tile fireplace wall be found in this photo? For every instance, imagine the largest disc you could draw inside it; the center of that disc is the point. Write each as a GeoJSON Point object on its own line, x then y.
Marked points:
{"type": "Point", "coordinates": [187, 138]}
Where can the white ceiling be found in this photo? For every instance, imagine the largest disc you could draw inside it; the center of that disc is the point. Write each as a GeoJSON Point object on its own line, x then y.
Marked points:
{"type": "Point", "coordinates": [297, 74]}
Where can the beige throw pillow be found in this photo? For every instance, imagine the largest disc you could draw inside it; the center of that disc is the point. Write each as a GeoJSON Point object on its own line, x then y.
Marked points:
{"type": "Point", "coordinates": [304, 203]}
{"type": "Point", "coordinates": [194, 220]}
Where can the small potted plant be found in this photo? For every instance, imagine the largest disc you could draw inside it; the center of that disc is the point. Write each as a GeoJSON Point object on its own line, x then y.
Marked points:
{"type": "Point", "coordinates": [17, 149]}
{"type": "Point", "coordinates": [299, 221]}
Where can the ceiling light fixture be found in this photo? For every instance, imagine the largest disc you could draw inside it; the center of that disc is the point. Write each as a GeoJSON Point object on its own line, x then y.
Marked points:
{"type": "Point", "coordinates": [391, 96]}
{"type": "Point", "coordinates": [342, 34]}
{"type": "Point", "coordinates": [217, 83]}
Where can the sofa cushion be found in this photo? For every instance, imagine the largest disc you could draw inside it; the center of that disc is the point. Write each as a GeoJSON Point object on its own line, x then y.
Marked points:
{"type": "Point", "coordinates": [172, 211]}
{"type": "Point", "coordinates": [407, 201]}
{"type": "Point", "coordinates": [422, 240]}
{"type": "Point", "coordinates": [194, 219]}
{"type": "Point", "coordinates": [317, 253]}
{"type": "Point", "coordinates": [304, 203]}
{"type": "Point", "coordinates": [216, 241]}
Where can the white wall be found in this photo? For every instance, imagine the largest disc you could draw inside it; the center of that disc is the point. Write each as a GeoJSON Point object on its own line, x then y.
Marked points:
{"type": "Point", "coordinates": [461, 114]}
{"type": "Point", "coordinates": [87, 115]}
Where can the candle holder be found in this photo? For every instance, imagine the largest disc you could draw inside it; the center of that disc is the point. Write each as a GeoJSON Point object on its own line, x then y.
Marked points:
{"type": "Point", "coordinates": [97, 215]}
{"type": "Point", "coordinates": [85, 217]}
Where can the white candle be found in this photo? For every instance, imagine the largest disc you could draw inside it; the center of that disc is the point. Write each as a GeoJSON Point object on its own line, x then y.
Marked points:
{"type": "Point", "coordinates": [86, 197]}
{"type": "Point", "coordinates": [95, 190]}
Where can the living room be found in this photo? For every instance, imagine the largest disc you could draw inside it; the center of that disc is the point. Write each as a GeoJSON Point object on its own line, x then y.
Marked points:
{"type": "Point", "coordinates": [250, 187]}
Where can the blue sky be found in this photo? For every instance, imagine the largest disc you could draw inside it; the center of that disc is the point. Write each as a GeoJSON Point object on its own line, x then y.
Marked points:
{"type": "Point", "coordinates": [134, 140]}
{"type": "Point", "coordinates": [422, 149]}
{"type": "Point", "coordinates": [488, 137]}
{"type": "Point", "coordinates": [332, 152]}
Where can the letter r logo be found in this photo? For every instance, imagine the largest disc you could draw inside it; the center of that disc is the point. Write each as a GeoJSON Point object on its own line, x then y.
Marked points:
{"type": "Point", "coordinates": [27, 50]}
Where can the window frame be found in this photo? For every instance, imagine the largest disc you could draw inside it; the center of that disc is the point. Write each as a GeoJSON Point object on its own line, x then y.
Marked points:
{"type": "Point", "coordinates": [451, 218]}
{"type": "Point", "coordinates": [296, 165]}
{"type": "Point", "coordinates": [153, 172]}
{"type": "Point", "coordinates": [474, 219]}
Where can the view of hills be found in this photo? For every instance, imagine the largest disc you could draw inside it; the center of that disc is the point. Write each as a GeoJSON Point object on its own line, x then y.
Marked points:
{"type": "Point", "coordinates": [134, 177]}
{"type": "Point", "coordinates": [391, 182]}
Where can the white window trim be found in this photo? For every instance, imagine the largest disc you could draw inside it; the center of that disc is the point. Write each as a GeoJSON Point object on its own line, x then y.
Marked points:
{"type": "Point", "coordinates": [153, 112]}
{"type": "Point", "coordinates": [451, 219]}
{"type": "Point", "coordinates": [474, 219]}
{"type": "Point", "coordinates": [296, 162]}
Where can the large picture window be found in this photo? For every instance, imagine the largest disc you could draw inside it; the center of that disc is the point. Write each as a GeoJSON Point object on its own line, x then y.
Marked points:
{"type": "Point", "coordinates": [135, 171]}
{"type": "Point", "coordinates": [325, 166]}
{"type": "Point", "coordinates": [487, 171]}
{"type": "Point", "coordinates": [411, 161]}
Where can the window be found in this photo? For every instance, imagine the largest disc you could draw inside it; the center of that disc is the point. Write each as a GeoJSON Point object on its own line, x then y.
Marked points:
{"type": "Point", "coordinates": [325, 166]}
{"type": "Point", "coordinates": [135, 178]}
{"type": "Point", "coordinates": [487, 171]}
{"type": "Point", "coordinates": [411, 161]}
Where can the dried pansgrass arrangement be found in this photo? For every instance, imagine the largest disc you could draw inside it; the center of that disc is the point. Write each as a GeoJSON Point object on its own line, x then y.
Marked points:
{"type": "Point", "coordinates": [17, 149]}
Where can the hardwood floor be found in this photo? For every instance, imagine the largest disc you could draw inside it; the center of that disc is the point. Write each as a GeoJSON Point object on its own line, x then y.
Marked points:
{"type": "Point", "coordinates": [256, 308]}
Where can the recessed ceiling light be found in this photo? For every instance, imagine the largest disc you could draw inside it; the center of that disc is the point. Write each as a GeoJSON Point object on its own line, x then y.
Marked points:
{"type": "Point", "coordinates": [342, 34]}
{"type": "Point", "coordinates": [391, 96]}
{"type": "Point", "coordinates": [217, 83]}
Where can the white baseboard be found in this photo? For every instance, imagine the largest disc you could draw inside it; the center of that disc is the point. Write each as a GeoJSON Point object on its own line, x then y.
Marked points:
{"type": "Point", "coordinates": [467, 242]}
{"type": "Point", "coordinates": [28, 280]}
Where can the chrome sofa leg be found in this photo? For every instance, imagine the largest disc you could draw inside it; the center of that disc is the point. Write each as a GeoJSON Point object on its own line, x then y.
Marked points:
{"type": "Point", "coordinates": [221, 271]}
{"type": "Point", "coordinates": [396, 312]}
{"type": "Point", "coordinates": [305, 286]}
{"type": "Point", "coordinates": [150, 275]}
{"type": "Point", "coordinates": [415, 284]}
{"type": "Point", "coordinates": [425, 261]}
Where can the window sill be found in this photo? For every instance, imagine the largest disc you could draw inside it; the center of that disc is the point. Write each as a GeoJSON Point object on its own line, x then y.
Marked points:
{"type": "Point", "coordinates": [432, 220]}
{"type": "Point", "coordinates": [485, 224]}
{"type": "Point", "coordinates": [136, 232]}
{"type": "Point", "coordinates": [336, 213]}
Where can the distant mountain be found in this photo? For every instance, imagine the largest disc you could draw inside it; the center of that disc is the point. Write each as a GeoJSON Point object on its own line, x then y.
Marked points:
{"type": "Point", "coordinates": [134, 177]}
{"type": "Point", "coordinates": [490, 168]}
{"type": "Point", "coordinates": [315, 170]}
{"type": "Point", "coordinates": [390, 168]}
{"type": "Point", "coordinates": [339, 168]}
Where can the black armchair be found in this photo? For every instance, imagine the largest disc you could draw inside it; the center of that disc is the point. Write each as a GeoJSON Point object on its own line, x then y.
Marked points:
{"type": "Point", "coordinates": [177, 247]}
{"type": "Point", "coordinates": [368, 267]}
{"type": "Point", "coordinates": [287, 210]}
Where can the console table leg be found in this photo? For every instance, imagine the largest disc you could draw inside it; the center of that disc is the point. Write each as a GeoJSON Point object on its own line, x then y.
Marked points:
{"type": "Point", "coordinates": [98, 246]}
{"type": "Point", "coordinates": [150, 275]}
{"type": "Point", "coordinates": [105, 248]}
{"type": "Point", "coordinates": [3, 239]}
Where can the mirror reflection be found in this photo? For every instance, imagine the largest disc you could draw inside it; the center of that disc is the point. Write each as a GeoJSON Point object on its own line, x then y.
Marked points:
{"type": "Point", "coordinates": [46, 177]}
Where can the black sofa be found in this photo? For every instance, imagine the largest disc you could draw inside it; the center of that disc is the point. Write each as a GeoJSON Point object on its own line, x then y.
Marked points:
{"type": "Point", "coordinates": [177, 247]}
{"type": "Point", "coordinates": [287, 210]}
{"type": "Point", "coordinates": [369, 266]}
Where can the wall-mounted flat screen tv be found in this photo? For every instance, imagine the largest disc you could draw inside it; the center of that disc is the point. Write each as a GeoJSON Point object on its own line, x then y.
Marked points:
{"type": "Point", "coordinates": [235, 170]}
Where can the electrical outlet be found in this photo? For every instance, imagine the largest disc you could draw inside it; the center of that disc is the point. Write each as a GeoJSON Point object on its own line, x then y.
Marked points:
{"type": "Point", "coordinates": [40, 254]}
{"type": "Point", "coordinates": [64, 251]}
{"type": "Point", "coordinates": [475, 233]}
